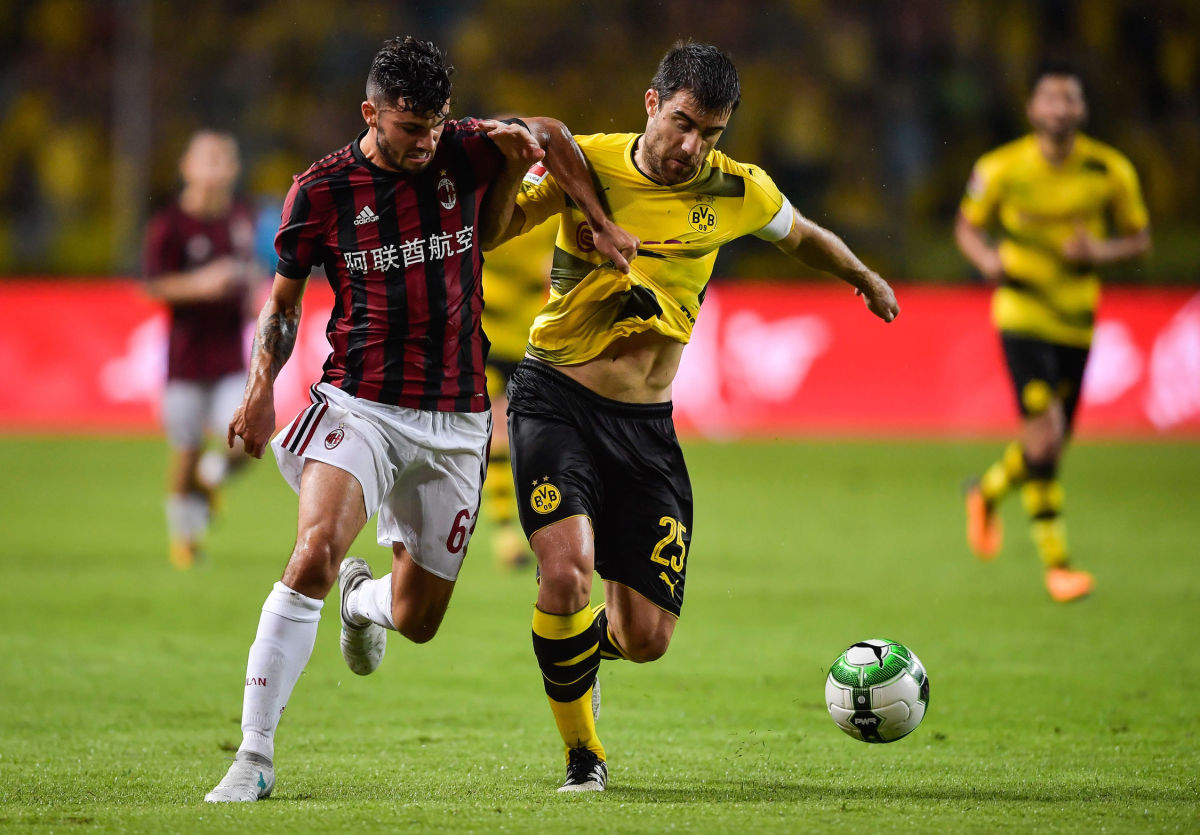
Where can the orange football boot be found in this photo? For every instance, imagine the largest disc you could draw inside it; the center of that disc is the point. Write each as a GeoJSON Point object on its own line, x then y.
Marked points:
{"type": "Point", "coordinates": [1067, 584]}
{"type": "Point", "coordinates": [985, 531]}
{"type": "Point", "coordinates": [183, 554]}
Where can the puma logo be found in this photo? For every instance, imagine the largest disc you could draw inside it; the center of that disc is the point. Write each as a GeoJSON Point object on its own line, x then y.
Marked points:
{"type": "Point", "coordinates": [662, 575]}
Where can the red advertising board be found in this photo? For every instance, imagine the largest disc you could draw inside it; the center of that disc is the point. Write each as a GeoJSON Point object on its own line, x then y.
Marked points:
{"type": "Point", "coordinates": [766, 360]}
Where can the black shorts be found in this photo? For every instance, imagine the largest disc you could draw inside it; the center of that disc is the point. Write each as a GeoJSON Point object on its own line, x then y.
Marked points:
{"type": "Point", "coordinates": [575, 453]}
{"type": "Point", "coordinates": [1042, 372]}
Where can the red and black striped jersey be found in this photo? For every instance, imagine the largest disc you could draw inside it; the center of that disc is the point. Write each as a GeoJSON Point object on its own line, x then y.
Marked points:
{"type": "Point", "coordinates": [403, 257]}
{"type": "Point", "coordinates": [206, 340]}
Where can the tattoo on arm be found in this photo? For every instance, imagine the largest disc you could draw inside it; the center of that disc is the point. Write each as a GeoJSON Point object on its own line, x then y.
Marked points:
{"type": "Point", "coordinates": [275, 339]}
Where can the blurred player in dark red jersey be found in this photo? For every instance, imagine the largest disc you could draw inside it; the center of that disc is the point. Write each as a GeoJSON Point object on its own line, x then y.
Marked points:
{"type": "Point", "coordinates": [400, 422]}
{"type": "Point", "coordinates": [199, 260]}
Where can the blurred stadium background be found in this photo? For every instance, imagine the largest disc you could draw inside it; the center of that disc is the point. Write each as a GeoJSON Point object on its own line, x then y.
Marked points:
{"type": "Point", "coordinates": [868, 115]}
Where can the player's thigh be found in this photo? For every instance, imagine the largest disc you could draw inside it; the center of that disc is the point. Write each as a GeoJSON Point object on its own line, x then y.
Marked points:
{"type": "Point", "coordinates": [344, 433]}
{"type": "Point", "coordinates": [644, 534]}
{"type": "Point", "coordinates": [642, 629]}
{"type": "Point", "coordinates": [184, 412]}
{"type": "Point", "coordinates": [1032, 368]}
{"type": "Point", "coordinates": [1072, 363]}
{"type": "Point", "coordinates": [441, 458]}
{"type": "Point", "coordinates": [331, 513]}
{"type": "Point", "coordinates": [419, 597]}
{"type": "Point", "coordinates": [554, 471]}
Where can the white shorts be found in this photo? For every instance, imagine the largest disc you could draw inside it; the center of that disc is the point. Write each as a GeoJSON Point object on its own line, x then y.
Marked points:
{"type": "Point", "coordinates": [421, 471]}
{"type": "Point", "coordinates": [189, 407]}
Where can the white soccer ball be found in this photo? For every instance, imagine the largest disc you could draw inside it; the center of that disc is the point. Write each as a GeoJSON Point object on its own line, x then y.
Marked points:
{"type": "Point", "coordinates": [877, 691]}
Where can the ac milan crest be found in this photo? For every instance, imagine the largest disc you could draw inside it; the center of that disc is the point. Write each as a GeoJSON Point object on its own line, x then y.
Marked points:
{"type": "Point", "coordinates": [447, 195]}
{"type": "Point", "coordinates": [334, 438]}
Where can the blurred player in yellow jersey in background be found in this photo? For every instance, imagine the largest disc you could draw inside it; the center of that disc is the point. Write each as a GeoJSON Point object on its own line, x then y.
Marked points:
{"type": "Point", "coordinates": [514, 289]}
{"type": "Point", "coordinates": [1061, 205]}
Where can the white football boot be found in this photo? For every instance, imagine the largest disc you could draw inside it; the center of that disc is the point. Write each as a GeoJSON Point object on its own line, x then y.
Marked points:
{"type": "Point", "coordinates": [250, 778]}
{"type": "Point", "coordinates": [363, 644]}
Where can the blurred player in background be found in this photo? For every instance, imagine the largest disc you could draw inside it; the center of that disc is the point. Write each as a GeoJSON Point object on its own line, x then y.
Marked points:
{"type": "Point", "coordinates": [399, 422]}
{"type": "Point", "coordinates": [514, 289]}
{"type": "Point", "coordinates": [1050, 197]}
{"type": "Point", "coordinates": [601, 481]}
{"type": "Point", "coordinates": [199, 260]}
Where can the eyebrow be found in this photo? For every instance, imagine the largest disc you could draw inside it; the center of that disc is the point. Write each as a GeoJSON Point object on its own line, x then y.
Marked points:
{"type": "Point", "coordinates": [440, 119]}
{"type": "Point", "coordinates": [691, 121]}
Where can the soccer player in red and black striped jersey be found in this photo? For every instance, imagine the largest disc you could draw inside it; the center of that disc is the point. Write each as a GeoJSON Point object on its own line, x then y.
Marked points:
{"type": "Point", "coordinates": [400, 422]}
{"type": "Point", "coordinates": [198, 259]}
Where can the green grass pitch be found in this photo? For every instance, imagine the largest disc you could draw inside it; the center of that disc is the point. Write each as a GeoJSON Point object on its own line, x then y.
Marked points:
{"type": "Point", "coordinates": [120, 678]}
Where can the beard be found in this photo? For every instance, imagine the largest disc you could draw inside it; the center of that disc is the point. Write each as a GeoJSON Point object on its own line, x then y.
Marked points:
{"type": "Point", "coordinates": [398, 161]}
{"type": "Point", "coordinates": [668, 173]}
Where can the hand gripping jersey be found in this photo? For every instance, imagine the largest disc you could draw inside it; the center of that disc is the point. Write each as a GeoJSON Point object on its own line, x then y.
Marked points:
{"type": "Point", "coordinates": [681, 228]}
{"type": "Point", "coordinates": [1037, 208]}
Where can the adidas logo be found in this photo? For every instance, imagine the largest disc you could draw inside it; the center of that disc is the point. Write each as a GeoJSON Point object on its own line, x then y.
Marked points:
{"type": "Point", "coordinates": [365, 216]}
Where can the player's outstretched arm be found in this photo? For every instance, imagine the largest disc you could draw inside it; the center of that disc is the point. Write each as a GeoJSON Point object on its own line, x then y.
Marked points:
{"type": "Point", "coordinates": [818, 247]}
{"type": "Point", "coordinates": [570, 168]}
{"type": "Point", "coordinates": [274, 339]}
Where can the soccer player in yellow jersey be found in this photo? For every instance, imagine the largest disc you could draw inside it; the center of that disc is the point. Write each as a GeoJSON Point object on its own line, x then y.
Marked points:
{"type": "Point", "coordinates": [601, 481]}
{"type": "Point", "coordinates": [514, 290]}
{"type": "Point", "coordinates": [1061, 205]}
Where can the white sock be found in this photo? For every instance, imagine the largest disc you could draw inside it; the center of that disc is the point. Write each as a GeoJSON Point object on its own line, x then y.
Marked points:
{"type": "Point", "coordinates": [287, 631]}
{"type": "Point", "coordinates": [212, 468]}
{"type": "Point", "coordinates": [373, 600]}
{"type": "Point", "coordinates": [187, 516]}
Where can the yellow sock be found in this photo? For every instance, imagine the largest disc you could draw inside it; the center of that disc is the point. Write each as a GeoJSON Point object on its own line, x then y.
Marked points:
{"type": "Point", "coordinates": [1043, 500]}
{"type": "Point", "coordinates": [610, 650]}
{"type": "Point", "coordinates": [1004, 475]}
{"type": "Point", "coordinates": [568, 652]}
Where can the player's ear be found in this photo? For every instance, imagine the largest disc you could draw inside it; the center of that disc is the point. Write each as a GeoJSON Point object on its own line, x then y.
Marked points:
{"type": "Point", "coordinates": [651, 102]}
{"type": "Point", "coordinates": [370, 116]}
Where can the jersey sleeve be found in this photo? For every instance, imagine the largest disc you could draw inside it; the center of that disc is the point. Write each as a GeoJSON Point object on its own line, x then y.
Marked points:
{"type": "Point", "coordinates": [486, 160]}
{"type": "Point", "coordinates": [768, 213]}
{"type": "Point", "coordinates": [1128, 207]}
{"type": "Point", "coordinates": [161, 253]}
{"type": "Point", "coordinates": [983, 192]}
{"type": "Point", "coordinates": [540, 198]}
{"type": "Point", "coordinates": [299, 241]}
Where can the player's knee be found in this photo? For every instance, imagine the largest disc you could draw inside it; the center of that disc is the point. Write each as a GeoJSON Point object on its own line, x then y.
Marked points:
{"type": "Point", "coordinates": [645, 647]}
{"type": "Point", "coordinates": [416, 629]}
{"type": "Point", "coordinates": [315, 560]}
{"type": "Point", "coordinates": [1042, 454]}
{"type": "Point", "coordinates": [567, 582]}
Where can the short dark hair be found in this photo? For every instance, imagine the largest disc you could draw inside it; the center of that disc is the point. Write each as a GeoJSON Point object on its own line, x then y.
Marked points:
{"type": "Point", "coordinates": [413, 70]}
{"type": "Point", "coordinates": [704, 71]}
{"type": "Point", "coordinates": [1058, 67]}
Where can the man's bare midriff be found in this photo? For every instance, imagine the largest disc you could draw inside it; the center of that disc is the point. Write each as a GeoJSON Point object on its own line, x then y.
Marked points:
{"type": "Point", "coordinates": [634, 369]}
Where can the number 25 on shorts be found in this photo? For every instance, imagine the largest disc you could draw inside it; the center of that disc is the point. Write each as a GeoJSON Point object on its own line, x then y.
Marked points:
{"type": "Point", "coordinates": [677, 559]}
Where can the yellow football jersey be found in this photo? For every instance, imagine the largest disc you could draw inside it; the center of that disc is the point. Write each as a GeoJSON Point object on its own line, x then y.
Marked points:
{"type": "Point", "coordinates": [1037, 207]}
{"type": "Point", "coordinates": [680, 227]}
{"type": "Point", "coordinates": [515, 286]}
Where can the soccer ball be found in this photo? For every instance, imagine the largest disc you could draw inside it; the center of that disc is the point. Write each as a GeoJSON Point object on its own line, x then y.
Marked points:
{"type": "Point", "coordinates": [877, 691]}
